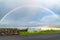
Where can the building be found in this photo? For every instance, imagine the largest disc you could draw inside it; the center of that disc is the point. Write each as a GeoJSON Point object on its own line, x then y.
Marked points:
{"type": "Point", "coordinates": [34, 29]}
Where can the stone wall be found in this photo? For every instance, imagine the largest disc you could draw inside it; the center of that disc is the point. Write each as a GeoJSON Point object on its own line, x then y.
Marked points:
{"type": "Point", "coordinates": [9, 31]}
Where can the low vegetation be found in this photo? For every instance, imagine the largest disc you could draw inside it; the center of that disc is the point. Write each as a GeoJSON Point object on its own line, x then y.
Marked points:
{"type": "Point", "coordinates": [41, 32]}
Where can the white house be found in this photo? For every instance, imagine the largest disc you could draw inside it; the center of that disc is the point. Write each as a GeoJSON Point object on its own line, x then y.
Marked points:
{"type": "Point", "coordinates": [33, 29]}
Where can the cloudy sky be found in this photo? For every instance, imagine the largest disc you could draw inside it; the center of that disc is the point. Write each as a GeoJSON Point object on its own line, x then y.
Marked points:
{"type": "Point", "coordinates": [30, 12]}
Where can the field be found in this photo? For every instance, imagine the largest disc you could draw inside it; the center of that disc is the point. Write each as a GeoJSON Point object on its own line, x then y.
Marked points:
{"type": "Point", "coordinates": [41, 32]}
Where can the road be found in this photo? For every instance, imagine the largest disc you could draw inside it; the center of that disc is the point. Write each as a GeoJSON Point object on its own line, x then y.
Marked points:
{"type": "Point", "coordinates": [32, 37]}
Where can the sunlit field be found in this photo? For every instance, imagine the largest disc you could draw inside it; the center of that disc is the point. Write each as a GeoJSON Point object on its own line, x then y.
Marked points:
{"type": "Point", "coordinates": [41, 32]}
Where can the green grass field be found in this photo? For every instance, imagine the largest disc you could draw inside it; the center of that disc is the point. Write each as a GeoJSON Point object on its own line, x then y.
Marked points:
{"type": "Point", "coordinates": [41, 32]}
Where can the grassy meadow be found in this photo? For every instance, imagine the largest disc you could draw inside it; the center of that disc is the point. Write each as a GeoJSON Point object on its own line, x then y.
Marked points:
{"type": "Point", "coordinates": [41, 32]}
